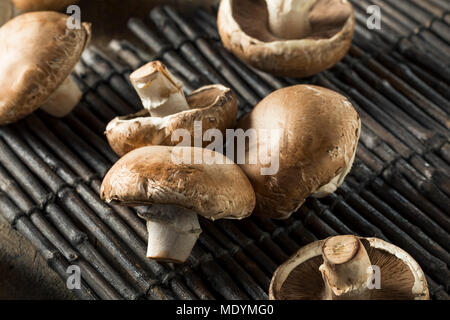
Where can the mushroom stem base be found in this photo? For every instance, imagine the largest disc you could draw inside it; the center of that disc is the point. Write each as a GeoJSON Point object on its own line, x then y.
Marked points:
{"type": "Point", "coordinates": [288, 19]}
{"type": "Point", "coordinates": [346, 269]}
{"type": "Point", "coordinates": [63, 100]}
{"type": "Point", "coordinates": [172, 232]}
{"type": "Point", "coordinates": [160, 91]}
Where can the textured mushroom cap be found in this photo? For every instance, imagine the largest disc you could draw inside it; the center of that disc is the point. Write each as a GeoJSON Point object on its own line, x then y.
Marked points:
{"type": "Point", "coordinates": [244, 30]}
{"type": "Point", "coordinates": [42, 5]}
{"type": "Point", "coordinates": [319, 135]}
{"type": "Point", "coordinates": [38, 53]}
{"type": "Point", "coordinates": [155, 175]}
{"type": "Point", "coordinates": [214, 106]}
{"type": "Point", "coordinates": [299, 277]}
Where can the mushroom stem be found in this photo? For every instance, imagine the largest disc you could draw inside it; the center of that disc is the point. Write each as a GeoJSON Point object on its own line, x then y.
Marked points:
{"type": "Point", "coordinates": [63, 99]}
{"type": "Point", "coordinates": [346, 269]}
{"type": "Point", "coordinates": [172, 232]}
{"type": "Point", "coordinates": [288, 19]}
{"type": "Point", "coordinates": [160, 91]}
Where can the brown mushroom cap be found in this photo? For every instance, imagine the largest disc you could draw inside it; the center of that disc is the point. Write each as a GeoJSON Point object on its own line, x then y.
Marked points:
{"type": "Point", "coordinates": [42, 5]}
{"type": "Point", "coordinates": [152, 175]}
{"type": "Point", "coordinates": [38, 52]}
{"type": "Point", "coordinates": [299, 277]}
{"type": "Point", "coordinates": [320, 132]}
{"type": "Point", "coordinates": [215, 106]}
{"type": "Point", "coordinates": [244, 30]}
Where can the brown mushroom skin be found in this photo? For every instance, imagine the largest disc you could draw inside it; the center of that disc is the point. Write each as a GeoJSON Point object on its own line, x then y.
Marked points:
{"type": "Point", "coordinates": [254, 44]}
{"type": "Point", "coordinates": [25, 83]}
{"type": "Point", "coordinates": [214, 106]}
{"type": "Point", "coordinates": [42, 5]}
{"type": "Point", "coordinates": [149, 175]}
{"type": "Point", "coordinates": [320, 132]}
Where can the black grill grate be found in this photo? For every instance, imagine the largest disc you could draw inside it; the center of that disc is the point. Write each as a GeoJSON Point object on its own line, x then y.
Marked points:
{"type": "Point", "coordinates": [398, 190]}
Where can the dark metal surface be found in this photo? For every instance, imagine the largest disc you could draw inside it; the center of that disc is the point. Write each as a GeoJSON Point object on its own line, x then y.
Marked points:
{"type": "Point", "coordinates": [398, 190]}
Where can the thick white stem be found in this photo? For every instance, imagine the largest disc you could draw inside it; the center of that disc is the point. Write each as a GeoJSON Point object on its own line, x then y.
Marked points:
{"type": "Point", "coordinates": [6, 11]}
{"type": "Point", "coordinates": [160, 91]}
{"type": "Point", "coordinates": [346, 269]}
{"type": "Point", "coordinates": [172, 232]}
{"type": "Point", "coordinates": [288, 19]}
{"type": "Point", "coordinates": [63, 100]}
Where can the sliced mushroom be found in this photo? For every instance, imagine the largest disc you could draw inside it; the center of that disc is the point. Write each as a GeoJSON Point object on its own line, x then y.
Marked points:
{"type": "Point", "coordinates": [178, 183]}
{"type": "Point", "coordinates": [295, 38]}
{"type": "Point", "coordinates": [167, 110]}
{"type": "Point", "coordinates": [6, 11]}
{"type": "Point", "coordinates": [38, 53]}
{"type": "Point", "coordinates": [42, 5]}
{"type": "Point", "coordinates": [348, 268]}
{"type": "Point", "coordinates": [319, 132]}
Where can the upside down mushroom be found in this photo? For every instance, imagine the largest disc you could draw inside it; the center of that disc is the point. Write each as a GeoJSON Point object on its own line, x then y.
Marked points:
{"type": "Point", "coordinates": [175, 184]}
{"type": "Point", "coordinates": [38, 53]}
{"type": "Point", "coordinates": [349, 268]}
{"type": "Point", "coordinates": [166, 109]}
{"type": "Point", "coordinates": [295, 38]}
{"type": "Point", "coordinates": [319, 133]}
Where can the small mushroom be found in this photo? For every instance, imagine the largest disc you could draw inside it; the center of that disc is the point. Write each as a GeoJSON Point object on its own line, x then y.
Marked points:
{"type": "Point", "coordinates": [319, 132]}
{"type": "Point", "coordinates": [166, 110]}
{"type": "Point", "coordinates": [349, 268]}
{"type": "Point", "coordinates": [6, 11]}
{"type": "Point", "coordinates": [295, 38]}
{"type": "Point", "coordinates": [42, 5]}
{"type": "Point", "coordinates": [178, 183]}
{"type": "Point", "coordinates": [38, 52]}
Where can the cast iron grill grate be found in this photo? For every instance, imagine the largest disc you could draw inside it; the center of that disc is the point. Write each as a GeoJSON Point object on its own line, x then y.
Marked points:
{"type": "Point", "coordinates": [398, 190]}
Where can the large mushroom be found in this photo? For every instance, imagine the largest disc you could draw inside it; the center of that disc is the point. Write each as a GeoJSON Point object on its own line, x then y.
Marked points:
{"type": "Point", "coordinates": [38, 52]}
{"type": "Point", "coordinates": [295, 38]}
{"type": "Point", "coordinates": [42, 5]}
{"type": "Point", "coordinates": [314, 151]}
{"type": "Point", "coordinates": [349, 268]}
{"type": "Point", "coordinates": [178, 183]}
{"type": "Point", "coordinates": [166, 110]}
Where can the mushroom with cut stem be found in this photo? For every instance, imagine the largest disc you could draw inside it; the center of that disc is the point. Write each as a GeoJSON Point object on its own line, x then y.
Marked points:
{"type": "Point", "coordinates": [166, 110]}
{"type": "Point", "coordinates": [38, 53]}
{"type": "Point", "coordinates": [178, 183]}
{"type": "Point", "coordinates": [6, 11]}
{"type": "Point", "coordinates": [319, 132]}
{"type": "Point", "coordinates": [42, 5]}
{"type": "Point", "coordinates": [295, 38]}
{"type": "Point", "coordinates": [346, 268]}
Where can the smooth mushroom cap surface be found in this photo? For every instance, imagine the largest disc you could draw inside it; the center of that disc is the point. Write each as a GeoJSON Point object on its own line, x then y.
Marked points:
{"type": "Point", "coordinates": [42, 5]}
{"type": "Point", "coordinates": [156, 175]}
{"type": "Point", "coordinates": [38, 52]}
{"type": "Point", "coordinates": [244, 30]}
{"type": "Point", "coordinates": [299, 277]}
{"type": "Point", "coordinates": [319, 135]}
{"type": "Point", "coordinates": [215, 106]}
